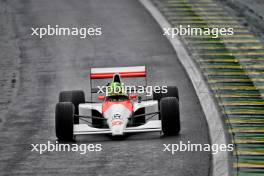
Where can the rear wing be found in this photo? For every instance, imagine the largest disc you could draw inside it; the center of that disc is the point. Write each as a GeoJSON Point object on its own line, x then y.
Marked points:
{"type": "Point", "coordinates": [109, 72]}
{"type": "Point", "coordinates": [124, 72]}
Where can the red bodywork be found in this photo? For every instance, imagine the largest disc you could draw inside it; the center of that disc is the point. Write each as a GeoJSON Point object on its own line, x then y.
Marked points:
{"type": "Point", "coordinates": [126, 103]}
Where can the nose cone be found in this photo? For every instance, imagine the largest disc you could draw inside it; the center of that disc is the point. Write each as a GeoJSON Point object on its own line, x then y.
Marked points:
{"type": "Point", "coordinates": [118, 127]}
{"type": "Point", "coordinates": [117, 117]}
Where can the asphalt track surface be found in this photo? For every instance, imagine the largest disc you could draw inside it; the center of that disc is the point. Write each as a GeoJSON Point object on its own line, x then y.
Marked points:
{"type": "Point", "coordinates": [44, 67]}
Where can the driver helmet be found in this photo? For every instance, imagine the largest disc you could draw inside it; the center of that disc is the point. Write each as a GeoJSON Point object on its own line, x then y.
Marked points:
{"type": "Point", "coordinates": [116, 89]}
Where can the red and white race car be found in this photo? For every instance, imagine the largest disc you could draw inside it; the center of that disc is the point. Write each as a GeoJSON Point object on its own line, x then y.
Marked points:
{"type": "Point", "coordinates": [116, 114]}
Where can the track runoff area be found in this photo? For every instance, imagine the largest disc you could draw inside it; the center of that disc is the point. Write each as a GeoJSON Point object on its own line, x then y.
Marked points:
{"type": "Point", "coordinates": [234, 68]}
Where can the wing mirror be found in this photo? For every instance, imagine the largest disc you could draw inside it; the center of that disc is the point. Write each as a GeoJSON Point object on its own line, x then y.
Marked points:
{"type": "Point", "coordinates": [132, 96]}
{"type": "Point", "coordinates": [101, 97]}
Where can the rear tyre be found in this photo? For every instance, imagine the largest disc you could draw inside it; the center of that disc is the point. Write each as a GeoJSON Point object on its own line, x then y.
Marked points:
{"type": "Point", "coordinates": [172, 91]}
{"type": "Point", "coordinates": [64, 116]}
{"type": "Point", "coordinates": [139, 120]}
{"type": "Point", "coordinates": [170, 115]}
{"type": "Point", "coordinates": [76, 97]}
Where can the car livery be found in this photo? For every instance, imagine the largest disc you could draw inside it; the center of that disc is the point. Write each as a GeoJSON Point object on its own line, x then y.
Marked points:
{"type": "Point", "coordinates": [116, 113]}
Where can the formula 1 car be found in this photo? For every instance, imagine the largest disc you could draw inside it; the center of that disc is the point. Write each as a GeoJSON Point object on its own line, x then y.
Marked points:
{"type": "Point", "coordinates": [117, 113]}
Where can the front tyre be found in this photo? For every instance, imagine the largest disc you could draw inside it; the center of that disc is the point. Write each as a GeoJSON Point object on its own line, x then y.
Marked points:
{"type": "Point", "coordinates": [64, 116]}
{"type": "Point", "coordinates": [170, 115]}
{"type": "Point", "coordinates": [172, 91]}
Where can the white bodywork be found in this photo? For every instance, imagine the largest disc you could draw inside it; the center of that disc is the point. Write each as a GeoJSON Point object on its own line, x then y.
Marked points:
{"type": "Point", "coordinates": [117, 117]}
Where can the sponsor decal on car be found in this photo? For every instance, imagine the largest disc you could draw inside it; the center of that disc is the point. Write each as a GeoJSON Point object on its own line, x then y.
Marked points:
{"type": "Point", "coordinates": [116, 122]}
{"type": "Point", "coordinates": [116, 116]}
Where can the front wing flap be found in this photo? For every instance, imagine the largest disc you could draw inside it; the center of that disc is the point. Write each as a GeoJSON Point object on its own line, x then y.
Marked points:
{"type": "Point", "coordinates": [150, 126]}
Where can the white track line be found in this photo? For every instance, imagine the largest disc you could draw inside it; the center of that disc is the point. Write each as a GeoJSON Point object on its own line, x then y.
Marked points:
{"type": "Point", "coordinates": [220, 163]}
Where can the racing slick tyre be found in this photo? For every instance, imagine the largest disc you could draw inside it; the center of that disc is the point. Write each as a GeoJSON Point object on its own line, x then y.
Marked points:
{"type": "Point", "coordinates": [172, 91]}
{"type": "Point", "coordinates": [170, 115]}
{"type": "Point", "coordinates": [139, 120]}
{"type": "Point", "coordinates": [64, 117]}
{"type": "Point", "coordinates": [76, 97]}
